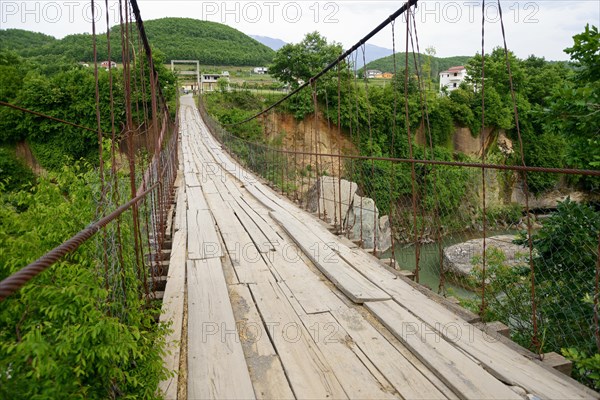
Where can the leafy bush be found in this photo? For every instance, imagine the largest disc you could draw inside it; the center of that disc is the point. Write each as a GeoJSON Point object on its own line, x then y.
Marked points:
{"type": "Point", "coordinates": [507, 294]}
{"type": "Point", "coordinates": [441, 121]}
{"type": "Point", "coordinates": [564, 259]}
{"type": "Point", "coordinates": [585, 369]}
{"type": "Point", "coordinates": [509, 214]}
{"type": "Point", "coordinates": [70, 333]}
{"type": "Point", "coordinates": [546, 150]}
{"type": "Point", "coordinates": [13, 173]}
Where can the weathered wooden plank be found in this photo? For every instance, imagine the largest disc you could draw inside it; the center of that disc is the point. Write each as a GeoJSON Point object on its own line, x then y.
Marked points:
{"type": "Point", "coordinates": [203, 241]}
{"type": "Point", "coordinates": [353, 375]}
{"type": "Point", "coordinates": [342, 275]}
{"type": "Point", "coordinates": [217, 368]}
{"type": "Point", "coordinates": [258, 237]}
{"type": "Point", "coordinates": [172, 311]}
{"type": "Point", "coordinates": [191, 179]}
{"type": "Point", "coordinates": [410, 379]}
{"type": "Point", "coordinates": [267, 228]}
{"type": "Point", "coordinates": [228, 270]}
{"type": "Point", "coordinates": [208, 187]}
{"type": "Point", "coordinates": [221, 188]}
{"type": "Point", "coordinates": [261, 197]}
{"type": "Point", "coordinates": [195, 198]}
{"type": "Point", "coordinates": [456, 370]}
{"type": "Point", "coordinates": [232, 187]}
{"type": "Point", "coordinates": [224, 215]}
{"type": "Point", "coordinates": [180, 221]}
{"type": "Point", "coordinates": [313, 294]}
{"type": "Point", "coordinates": [247, 262]}
{"type": "Point", "coordinates": [266, 371]}
{"type": "Point", "coordinates": [499, 359]}
{"type": "Point", "coordinates": [307, 370]}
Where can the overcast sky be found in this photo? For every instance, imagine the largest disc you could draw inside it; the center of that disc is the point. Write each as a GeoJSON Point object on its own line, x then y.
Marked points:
{"type": "Point", "coordinates": [543, 28]}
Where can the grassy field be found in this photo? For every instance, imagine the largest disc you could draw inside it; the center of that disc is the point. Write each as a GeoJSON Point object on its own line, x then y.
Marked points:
{"type": "Point", "coordinates": [240, 75]}
{"type": "Point", "coordinates": [237, 75]}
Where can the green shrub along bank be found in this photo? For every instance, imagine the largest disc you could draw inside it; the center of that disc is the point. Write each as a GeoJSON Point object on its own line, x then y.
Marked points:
{"type": "Point", "coordinates": [67, 92]}
{"type": "Point", "coordinates": [82, 328]}
{"type": "Point", "coordinates": [73, 331]}
{"type": "Point", "coordinates": [564, 259]}
{"type": "Point", "coordinates": [15, 174]}
{"type": "Point", "coordinates": [236, 106]}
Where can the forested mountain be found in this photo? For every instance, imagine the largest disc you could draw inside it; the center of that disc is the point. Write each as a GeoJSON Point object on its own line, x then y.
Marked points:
{"type": "Point", "coordinates": [177, 38]}
{"type": "Point", "coordinates": [209, 42]}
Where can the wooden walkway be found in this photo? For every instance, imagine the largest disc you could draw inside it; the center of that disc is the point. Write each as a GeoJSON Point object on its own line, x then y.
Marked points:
{"type": "Point", "coordinates": [266, 303]}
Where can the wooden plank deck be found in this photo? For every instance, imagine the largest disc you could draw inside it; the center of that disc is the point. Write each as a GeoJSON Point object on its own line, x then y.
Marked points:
{"type": "Point", "coordinates": [268, 317]}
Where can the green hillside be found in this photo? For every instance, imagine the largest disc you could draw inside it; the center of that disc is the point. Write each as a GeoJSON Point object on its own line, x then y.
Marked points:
{"type": "Point", "coordinates": [20, 41]}
{"type": "Point", "coordinates": [177, 38]}
{"type": "Point", "coordinates": [209, 42]}
{"type": "Point", "coordinates": [438, 64]}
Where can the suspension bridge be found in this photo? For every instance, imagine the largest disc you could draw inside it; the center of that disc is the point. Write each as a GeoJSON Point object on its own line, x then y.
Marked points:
{"type": "Point", "coordinates": [280, 307]}
{"type": "Point", "coordinates": [265, 299]}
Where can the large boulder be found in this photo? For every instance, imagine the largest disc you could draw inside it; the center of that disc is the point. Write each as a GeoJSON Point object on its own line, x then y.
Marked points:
{"type": "Point", "coordinates": [327, 198]}
{"type": "Point", "coordinates": [363, 222]}
{"type": "Point", "coordinates": [324, 196]}
{"type": "Point", "coordinates": [550, 199]}
{"type": "Point", "coordinates": [457, 258]}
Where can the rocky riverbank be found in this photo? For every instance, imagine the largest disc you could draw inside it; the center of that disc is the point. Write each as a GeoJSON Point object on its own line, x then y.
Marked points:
{"type": "Point", "coordinates": [458, 258]}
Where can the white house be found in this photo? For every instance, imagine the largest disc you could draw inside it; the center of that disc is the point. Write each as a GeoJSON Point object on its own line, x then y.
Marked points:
{"type": "Point", "coordinates": [372, 73]}
{"type": "Point", "coordinates": [106, 63]}
{"type": "Point", "coordinates": [452, 78]}
{"type": "Point", "coordinates": [261, 70]}
{"type": "Point", "coordinates": [209, 82]}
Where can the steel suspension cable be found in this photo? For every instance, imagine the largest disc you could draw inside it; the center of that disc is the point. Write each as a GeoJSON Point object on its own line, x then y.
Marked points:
{"type": "Point", "coordinates": [332, 65]}
{"type": "Point", "coordinates": [374, 194]}
{"type": "Point", "coordinates": [38, 114]}
{"type": "Point", "coordinates": [411, 156]}
{"type": "Point", "coordinates": [482, 140]}
{"type": "Point", "coordinates": [424, 189]}
{"type": "Point", "coordinates": [113, 164]}
{"type": "Point", "coordinates": [339, 132]}
{"type": "Point", "coordinates": [535, 339]}
{"type": "Point", "coordinates": [100, 144]}
{"type": "Point", "coordinates": [436, 211]}
{"type": "Point", "coordinates": [393, 149]}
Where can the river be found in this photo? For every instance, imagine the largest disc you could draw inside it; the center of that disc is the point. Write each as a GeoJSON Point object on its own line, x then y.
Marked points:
{"type": "Point", "coordinates": [430, 262]}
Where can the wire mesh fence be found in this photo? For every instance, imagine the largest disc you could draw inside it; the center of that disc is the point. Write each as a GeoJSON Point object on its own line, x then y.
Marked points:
{"type": "Point", "coordinates": [439, 226]}
{"type": "Point", "coordinates": [131, 188]}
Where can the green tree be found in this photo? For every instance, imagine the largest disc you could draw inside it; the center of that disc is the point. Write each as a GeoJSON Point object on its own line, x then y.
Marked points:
{"type": "Point", "coordinates": [575, 108]}
{"type": "Point", "coordinates": [12, 72]}
{"type": "Point", "coordinates": [65, 335]}
{"type": "Point", "coordinates": [428, 65]}
{"type": "Point", "coordinates": [543, 78]}
{"type": "Point", "coordinates": [496, 72]}
{"type": "Point", "coordinates": [301, 61]}
{"type": "Point", "coordinates": [585, 55]}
